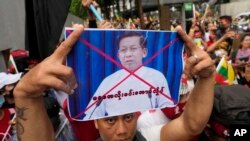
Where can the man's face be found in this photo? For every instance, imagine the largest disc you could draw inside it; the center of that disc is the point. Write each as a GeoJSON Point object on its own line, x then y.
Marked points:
{"type": "Point", "coordinates": [131, 52]}
{"type": "Point", "coordinates": [117, 128]}
{"type": "Point", "coordinates": [224, 23]}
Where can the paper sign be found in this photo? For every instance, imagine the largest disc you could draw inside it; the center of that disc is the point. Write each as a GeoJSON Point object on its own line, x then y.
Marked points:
{"type": "Point", "coordinates": [124, 71]}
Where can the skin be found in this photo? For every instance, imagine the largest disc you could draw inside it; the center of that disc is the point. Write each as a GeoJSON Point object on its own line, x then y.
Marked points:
{"type": "Point", "coordinates": [246, 42]}
{"type": "Point", "coordinates": [227, 35]}
{"type": "Point", "coordinates": [117, 128]}
{"type": "Point", "coordinates": [123, 128]}
{"type": "Point", "coordinates": [131, 52]}
{"type": "Point", "coordinates": [224, 22]}
{"type": "Point", "coordinates": [30, 109]}
{"type": "Point", "coordinates": [32, 117]}
{"type": "Point", "coordinates": [7, 89]}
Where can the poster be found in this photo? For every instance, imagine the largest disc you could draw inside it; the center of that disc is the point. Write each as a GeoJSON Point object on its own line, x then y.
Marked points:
{"type": "Point", "coordinates": [124, 71]}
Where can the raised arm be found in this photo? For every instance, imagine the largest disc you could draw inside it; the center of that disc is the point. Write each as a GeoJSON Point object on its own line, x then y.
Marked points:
{"type": "Point", "coordinates": [33, 123]}
{"type": "Point", "coordinates": [229, 34]}
{"type": "Point", "coordinates": [199, 106]}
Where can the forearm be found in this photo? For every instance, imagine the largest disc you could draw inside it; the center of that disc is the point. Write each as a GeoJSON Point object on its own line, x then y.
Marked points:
{"type": "Point", "coordinates": [215, 44]}
{"type": "Point", "coordinates": [33, 123]}
{"type": "Point", "coordinates": [199, 106]}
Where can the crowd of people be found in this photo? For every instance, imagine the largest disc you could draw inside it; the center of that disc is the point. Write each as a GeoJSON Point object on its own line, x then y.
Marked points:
{"type": "Point", "coordinates": [30, 108]}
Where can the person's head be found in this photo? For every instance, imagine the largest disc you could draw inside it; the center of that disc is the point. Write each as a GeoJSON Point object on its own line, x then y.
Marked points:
{"type": "Point", "coordinates": [225, 22]}
{"type": "Point", "coordinates": [131, 50]}
{"type": "Point", "coordinates": [114, 128]}
{"type": "Point", "coordinates": [212, 36]}
{"type": "Point", "coordinates": [245, 41]}
{"type": "Point", "coordinates": [211, 27]}
{"type": "Point", "coordinates": [8, 83]}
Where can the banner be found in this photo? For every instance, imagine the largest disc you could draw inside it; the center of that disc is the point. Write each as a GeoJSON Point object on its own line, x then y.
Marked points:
{"type": "Point", "coordinates": [124, 71]}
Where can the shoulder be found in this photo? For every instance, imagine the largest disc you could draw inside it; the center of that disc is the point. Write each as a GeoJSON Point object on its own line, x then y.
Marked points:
{"type": "Point", "coordinates": [115, 75]}
{"type": "Point", "coordinates": [152, 71]}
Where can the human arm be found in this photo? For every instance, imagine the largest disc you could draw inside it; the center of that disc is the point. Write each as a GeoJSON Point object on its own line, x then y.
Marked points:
{"type": "Point", "coordinates": [229, 34]}
{"type": "Point", "coordinates": [192, 30]}
{"type": "Point", "coordinates": [32, 119]}
{"type": "Point", "coordinates": [199, 106]}
{"type": "Point", "coordinates": [91, 16]}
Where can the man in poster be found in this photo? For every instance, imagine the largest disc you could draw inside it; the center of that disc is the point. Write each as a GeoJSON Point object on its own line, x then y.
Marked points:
{"type": "Point", "coordinates": [133, 84]}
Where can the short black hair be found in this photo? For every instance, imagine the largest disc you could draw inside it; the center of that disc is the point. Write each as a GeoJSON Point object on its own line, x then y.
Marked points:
{"type": "Point", "coordinates": [226, 17]}
{"type": "Point", "coordinates": [125, 34]}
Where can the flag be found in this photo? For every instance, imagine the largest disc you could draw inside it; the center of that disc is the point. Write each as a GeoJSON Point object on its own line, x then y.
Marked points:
{"type": "Point", "coordinates": [225, 73]}
{"type": "Point", "coordinates": [12, 65]}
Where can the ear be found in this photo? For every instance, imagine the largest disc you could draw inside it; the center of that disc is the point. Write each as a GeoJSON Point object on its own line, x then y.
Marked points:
{"type": "Point", "coordinates": [96, 124]}
{"type": "Point", "coordinates": [145, 52]}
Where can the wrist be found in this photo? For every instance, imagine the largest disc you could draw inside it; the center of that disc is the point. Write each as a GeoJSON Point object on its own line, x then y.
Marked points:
{"type": "Point", "coordinates": [209, 75]}
{"type": "Point", "coordinates": [21, 92]}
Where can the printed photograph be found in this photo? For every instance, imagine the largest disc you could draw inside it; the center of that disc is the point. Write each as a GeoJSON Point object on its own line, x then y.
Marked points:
{"type": "Point", "coordinates": [124, 71]}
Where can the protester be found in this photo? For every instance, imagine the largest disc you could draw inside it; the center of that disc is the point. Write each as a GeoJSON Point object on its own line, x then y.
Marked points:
{"type": "Point", "coordinates": [242, 61]}
{"type": "Point", "coordinates": [7, 84]}
{"type": "Point", "coordinates": [243, 54]}
{"type": "Point", "coordinates": [51, 73]}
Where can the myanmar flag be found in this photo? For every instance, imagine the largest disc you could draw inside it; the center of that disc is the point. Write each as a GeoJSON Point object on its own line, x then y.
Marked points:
{"type": "Point", "coordinates": [225, 73]}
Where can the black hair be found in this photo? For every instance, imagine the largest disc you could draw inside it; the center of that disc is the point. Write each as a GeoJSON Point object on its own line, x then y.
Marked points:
{"type": "Point", "coordinates": [226, 17]}
{"type": "Point", "coordinates": [143, 41]}
{"type": "Point", "coordinates": [53, 108]}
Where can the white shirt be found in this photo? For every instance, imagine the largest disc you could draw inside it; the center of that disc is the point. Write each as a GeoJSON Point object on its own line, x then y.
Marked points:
{"type": "Point", "coordinates": [150, 123]}
{"type": "Point", "coordinates": [125, 94]}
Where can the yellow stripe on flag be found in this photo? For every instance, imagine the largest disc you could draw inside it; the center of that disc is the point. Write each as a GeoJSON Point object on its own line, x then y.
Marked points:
{"type": "Point", "coordinates": [231, 75]}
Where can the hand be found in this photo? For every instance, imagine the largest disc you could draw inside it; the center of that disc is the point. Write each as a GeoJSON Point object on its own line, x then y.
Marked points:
{"type": "Point", "coordinates": [50, 73]}
{"type": "Point", "coordinates": [86, 3]}
{"type": "Point", "coordinates": [105, 25]}
{"type": "Point", "coordinates": [198, 62]}
{"type": "Point", "coordinates": [230, 34]}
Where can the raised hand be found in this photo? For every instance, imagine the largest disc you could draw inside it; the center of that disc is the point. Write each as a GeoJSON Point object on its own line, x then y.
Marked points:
{"type": "Point", "coordinates": [198, 62]}
{"type": "Point", "coordinates": [50, 73]}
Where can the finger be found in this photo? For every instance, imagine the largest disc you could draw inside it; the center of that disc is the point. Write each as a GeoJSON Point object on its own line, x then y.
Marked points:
{"type": "Point", "coordinates": [202, 66]}
{"type": "Point", "coordinates": [58, 84]}
{"type": "Point", "coordinates": [64, 73]}
{"type": "Point", "coordinates": [190, 63]}
{"type": "Point", "coordinates": [66, 45]}
{"type": "Point", "coordinates": [188, 41]}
